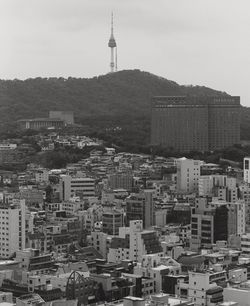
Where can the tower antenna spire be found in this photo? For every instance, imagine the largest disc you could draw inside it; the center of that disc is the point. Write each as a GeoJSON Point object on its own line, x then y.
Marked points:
{"type": "Point", "coordinates": [112, 23]}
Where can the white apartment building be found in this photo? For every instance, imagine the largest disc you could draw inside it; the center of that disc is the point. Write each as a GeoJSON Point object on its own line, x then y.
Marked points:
{"type": "Point", "coordinates": [76, 186]}
{"type": "Point", "coordinates": [188, 174]}
{"type": "Point", "coordinates": [12, 228]}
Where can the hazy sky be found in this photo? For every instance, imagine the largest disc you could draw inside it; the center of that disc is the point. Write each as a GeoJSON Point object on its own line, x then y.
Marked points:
{"type": "Point", "coordinates": [199, 42]}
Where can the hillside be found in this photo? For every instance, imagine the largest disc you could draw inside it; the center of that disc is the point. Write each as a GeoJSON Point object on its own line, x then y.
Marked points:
{"type": "Point", "coordinates": [125, 92]}
{"type": "Point", "coordinates": [122, 98]}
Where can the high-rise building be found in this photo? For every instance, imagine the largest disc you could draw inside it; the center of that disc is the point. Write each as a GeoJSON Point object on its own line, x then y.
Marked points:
{"type": "Point", "coordinates": [201, 123]}
{"type": "Point", "coordinates": [188, 174]}
{"type": "Point", "coordinates": [12, 220]}
{"type": "Point", "coordinates": [140, 206]}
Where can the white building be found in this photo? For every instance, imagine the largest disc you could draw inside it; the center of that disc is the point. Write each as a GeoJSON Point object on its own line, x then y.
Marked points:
{"type": "Point", "coordinates": [12, 228]}
{"type": "Point", "coordinates": [209, 185]}
{"type": "Point", "coordinates": [154, 266]}
{"type": "Point", "coordinates": [202, 287]}
{"type": "Point", "coordinates": [188, 174]}
{"type": "Point", "coordinates": [133, 242]}
{"type": "Point", "coordinates": [76, 186]}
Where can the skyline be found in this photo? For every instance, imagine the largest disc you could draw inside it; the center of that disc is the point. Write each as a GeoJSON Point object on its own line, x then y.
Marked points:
{"type": "Point", "coordinates": [199, 42]}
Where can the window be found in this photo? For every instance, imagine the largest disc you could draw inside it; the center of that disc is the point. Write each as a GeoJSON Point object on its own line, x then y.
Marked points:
{"type": "Point", "coordinates": [247, 164]}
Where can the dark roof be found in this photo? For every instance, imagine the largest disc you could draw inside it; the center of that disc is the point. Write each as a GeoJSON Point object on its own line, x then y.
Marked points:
{"type": "Point", "coordinates": [191, 260]}
{"type": "Point", "coordinates": [213, 290]}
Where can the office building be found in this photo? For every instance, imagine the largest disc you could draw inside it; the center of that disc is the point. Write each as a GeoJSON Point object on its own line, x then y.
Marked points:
{"type": "Point", "coordinates": [201, 123]}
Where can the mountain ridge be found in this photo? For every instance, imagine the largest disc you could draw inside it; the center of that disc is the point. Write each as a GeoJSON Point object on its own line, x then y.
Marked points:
{"type": "Point", "coordinates": [123, 97]}
{"type": "Point", "coordinates": [34, 97]}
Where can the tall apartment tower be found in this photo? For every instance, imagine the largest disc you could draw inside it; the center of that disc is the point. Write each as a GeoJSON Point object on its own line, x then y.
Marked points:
{"type": "Point", "coordinates": [188, 174]}
{"type": "Point", "coordinates": [201, 123]}
{"type": "Point", "coordinates": [12, 219]}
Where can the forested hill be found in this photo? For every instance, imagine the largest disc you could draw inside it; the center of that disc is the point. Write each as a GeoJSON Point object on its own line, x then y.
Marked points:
{"type": "Point", "coordinates": [118, 94]}
{"type": "Point", "coordinates": [119, 98]}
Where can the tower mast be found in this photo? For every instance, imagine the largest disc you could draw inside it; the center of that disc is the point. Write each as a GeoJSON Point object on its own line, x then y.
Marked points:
{"type": "Point", "coordinates": [112, 46]}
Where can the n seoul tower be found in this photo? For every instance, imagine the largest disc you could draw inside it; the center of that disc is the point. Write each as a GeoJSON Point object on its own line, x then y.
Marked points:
{"type": "Point", "coordinates": [112, 46]}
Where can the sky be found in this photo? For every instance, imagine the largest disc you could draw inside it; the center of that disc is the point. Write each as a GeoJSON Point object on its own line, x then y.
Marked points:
{"type": "Point", "coordinates": [199, 42]}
